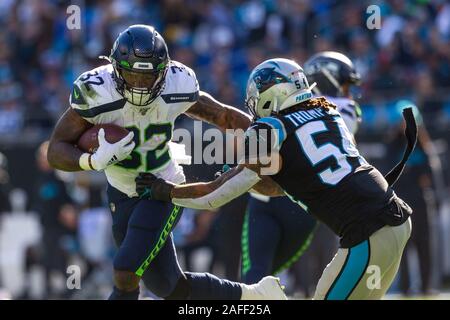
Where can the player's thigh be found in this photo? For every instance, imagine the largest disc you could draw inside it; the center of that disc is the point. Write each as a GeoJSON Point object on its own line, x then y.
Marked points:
{"type": "Point", "coordinates": [163, 273]}
{"type": "Point", "coordinates": [386, 251]}
{"type": "Point", "coordinates": [346, 276]}
{"type": "Point", "coordinates": [330, 274]}
{"type": "Point", "coordinates": [121, 208]}
{"type": "Point", "coordinates": [149, 227]}
{"type": "Point", "coordinates": [349, 275]}
{"type": "Point", "coordinates": [382, 286]}
{"type": "Point", "coordinates": [260, 238]}
{"type": "Point", "coordinates": [365, 271]}
{"type": "Point", "coordinates": [297, 230]}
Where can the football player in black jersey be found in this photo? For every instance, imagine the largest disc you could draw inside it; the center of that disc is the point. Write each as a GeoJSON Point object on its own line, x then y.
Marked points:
{"type": "Point", "coordinates": [305, 151]}
{"type": "Point", "coordinates": [288, 228]}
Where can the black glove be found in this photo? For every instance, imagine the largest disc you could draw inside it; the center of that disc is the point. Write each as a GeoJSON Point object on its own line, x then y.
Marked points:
{"type": "Point", "coordinates": [150, 187]}
{"type": "Point", "coordinates": [225, 168]}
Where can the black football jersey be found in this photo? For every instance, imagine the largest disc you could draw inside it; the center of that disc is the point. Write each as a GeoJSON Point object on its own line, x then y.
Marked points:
{"type": "Point", "coordinates": [323, 171]}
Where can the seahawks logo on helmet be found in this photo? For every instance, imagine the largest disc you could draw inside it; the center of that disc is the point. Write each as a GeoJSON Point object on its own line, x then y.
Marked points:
{"type": "Point", "coordinates": [331, 70]}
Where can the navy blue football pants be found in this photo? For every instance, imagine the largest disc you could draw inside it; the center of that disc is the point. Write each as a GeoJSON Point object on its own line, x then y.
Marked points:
{"type": "Point", "coordinates": [142, 231]}
{"type": "Point", "coordinates": [275, 234]}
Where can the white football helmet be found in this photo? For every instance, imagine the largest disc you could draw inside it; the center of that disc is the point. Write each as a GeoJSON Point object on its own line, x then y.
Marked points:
{"type": "Point", "coordinates": [275, 85]}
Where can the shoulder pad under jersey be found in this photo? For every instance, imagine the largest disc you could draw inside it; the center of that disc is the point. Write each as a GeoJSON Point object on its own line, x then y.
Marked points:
{"type": "Point", "coordinates": [181, 84]}
{"type": "Point", "coordinates": [94, 92]}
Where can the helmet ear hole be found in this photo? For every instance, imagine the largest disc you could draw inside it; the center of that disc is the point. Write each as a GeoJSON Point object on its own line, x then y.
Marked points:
{"type": "Point", "coordinates": [266, 105]}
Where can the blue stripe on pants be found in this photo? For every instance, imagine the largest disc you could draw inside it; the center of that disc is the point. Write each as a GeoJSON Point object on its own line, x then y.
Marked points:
{"type": "Point", "coordinates": [351, 273]}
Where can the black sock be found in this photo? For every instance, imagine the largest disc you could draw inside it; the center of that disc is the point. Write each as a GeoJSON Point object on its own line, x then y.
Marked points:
{"type": "Point", "coordinates": [205, 286]}
{"type": "Point", "coordinates": [118, 294]}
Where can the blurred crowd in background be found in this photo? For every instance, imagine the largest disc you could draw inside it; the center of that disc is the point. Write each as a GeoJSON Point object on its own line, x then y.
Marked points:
{"type": "Point", "coordinates": [408, 59]}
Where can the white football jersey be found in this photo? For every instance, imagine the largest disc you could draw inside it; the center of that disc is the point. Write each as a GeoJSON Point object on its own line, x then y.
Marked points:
{"type": "Point", "coordinates": [349, 110]}
{"type": "Point", "coordinates": [95, 98]}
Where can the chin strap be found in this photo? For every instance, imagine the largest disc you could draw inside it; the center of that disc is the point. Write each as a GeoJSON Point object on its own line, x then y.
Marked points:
{"type": "Point", "coordinates": [411, 137]}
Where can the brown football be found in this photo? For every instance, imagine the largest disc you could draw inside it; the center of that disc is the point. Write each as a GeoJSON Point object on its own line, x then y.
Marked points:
{"type": "Point", "coordinates": [88, 141]}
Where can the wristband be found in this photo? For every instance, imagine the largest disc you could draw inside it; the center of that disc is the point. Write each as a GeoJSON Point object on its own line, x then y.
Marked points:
{"type": "Point", "coordinates": [85, 162]}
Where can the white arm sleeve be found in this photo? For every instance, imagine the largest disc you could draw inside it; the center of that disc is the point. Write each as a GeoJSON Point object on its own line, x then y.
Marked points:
{"type": "Point", "coordinates": [234, 187]}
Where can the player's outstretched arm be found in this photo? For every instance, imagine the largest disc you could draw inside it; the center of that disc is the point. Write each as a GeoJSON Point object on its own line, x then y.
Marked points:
{"type": "Point", "coordinates": [62, 152]}
{"type": "Point", "coordinates": [219, 114]}
{"type": "Point", "coordinates": [202, 195]}
{"type": "Point", "coordinates": [208, 195]}
{"type": "Point", "coordinates": [268, 187]}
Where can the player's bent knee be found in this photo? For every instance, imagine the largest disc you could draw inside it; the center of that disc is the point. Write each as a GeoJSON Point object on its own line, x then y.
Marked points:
{"type": "Point", "coordinates": [126, 280]}
{"type": "Point", "coordinates": [182, 290]}
{"type": "Point", "coordinates": [163, 285]}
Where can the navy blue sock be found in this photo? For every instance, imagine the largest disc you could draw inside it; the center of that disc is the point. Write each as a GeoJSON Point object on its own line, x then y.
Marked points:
{"type": "Point", "coordinates": [205, 286]}
{"type": "Point", "coordinates": [118, 294]}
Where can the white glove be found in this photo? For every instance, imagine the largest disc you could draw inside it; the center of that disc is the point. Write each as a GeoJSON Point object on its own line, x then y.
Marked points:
{"type": "Point", "coordinates": [110, 153]}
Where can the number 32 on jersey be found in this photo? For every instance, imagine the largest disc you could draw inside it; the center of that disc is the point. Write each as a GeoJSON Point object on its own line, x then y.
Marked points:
{"type": "Point", "coordinates": [152, 150]}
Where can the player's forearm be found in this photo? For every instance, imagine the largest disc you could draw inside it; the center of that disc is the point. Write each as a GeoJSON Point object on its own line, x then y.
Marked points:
{"type": "Point", "coordinates": [64, 156]}
{"type": "Point", "coordinates": [62, 152]}
{"type": "Point", "coordinates": [200, 189]}
{"type": "Point", "coordinates": [216, 193]}
{"type": "Point", "coordinates": [268, 187]}
{"type": "Point", "coordinates": [234, 119]}
{"type": "Point", "coordinates": [219, 114]}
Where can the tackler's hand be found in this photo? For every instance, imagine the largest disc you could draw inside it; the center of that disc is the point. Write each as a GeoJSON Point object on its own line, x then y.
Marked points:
{"type": "Point", "coordinates": [150, 187]}
{"type": "Point", "coordinates": [225, 168]}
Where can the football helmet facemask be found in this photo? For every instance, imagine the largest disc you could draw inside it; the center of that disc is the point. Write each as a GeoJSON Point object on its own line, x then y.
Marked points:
{"type": "Point", "coordinates": [140, 60]}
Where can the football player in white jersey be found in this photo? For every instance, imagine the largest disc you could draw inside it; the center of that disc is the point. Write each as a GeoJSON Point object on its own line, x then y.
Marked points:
{"type": "Point", "coordinates": [335, 75]}
{"type": "Point", "coordinates": [144, 91]}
